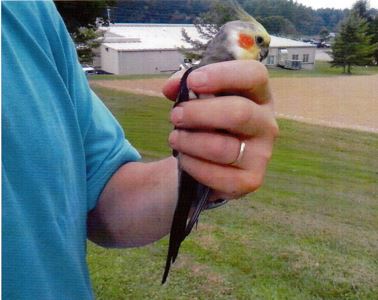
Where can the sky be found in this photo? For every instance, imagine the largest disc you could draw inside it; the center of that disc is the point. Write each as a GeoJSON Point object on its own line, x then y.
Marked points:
{"type": "Point", "coordinates": [334, 3]}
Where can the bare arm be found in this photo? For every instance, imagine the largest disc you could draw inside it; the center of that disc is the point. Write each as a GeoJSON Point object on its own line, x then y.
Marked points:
{"type": "Point", "coordinates": [136, 206]}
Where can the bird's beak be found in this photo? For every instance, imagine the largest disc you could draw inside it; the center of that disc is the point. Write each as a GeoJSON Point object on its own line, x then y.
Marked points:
{"type": "Point", "coordinates": [264, 53]}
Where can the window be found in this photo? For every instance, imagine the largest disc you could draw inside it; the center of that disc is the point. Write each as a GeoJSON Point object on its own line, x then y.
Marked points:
{"type": "Point", "coordinates": [306, 58]}
{"type": "Point", "coordinates": [270, 60]}
{"type": "Point", "coordinates": [295, 57]}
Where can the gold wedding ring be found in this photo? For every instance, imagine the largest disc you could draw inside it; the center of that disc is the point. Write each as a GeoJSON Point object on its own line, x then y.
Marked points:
{"type": "Point", "coordinates": [240, 155]}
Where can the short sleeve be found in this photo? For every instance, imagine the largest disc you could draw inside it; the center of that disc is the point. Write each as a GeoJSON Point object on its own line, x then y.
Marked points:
{"type": "Point", "coordinates": [106, 149]}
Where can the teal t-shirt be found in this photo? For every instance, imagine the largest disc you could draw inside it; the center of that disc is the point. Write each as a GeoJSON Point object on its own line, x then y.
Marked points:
{"type": "Point", "coordinates": [60, 145]}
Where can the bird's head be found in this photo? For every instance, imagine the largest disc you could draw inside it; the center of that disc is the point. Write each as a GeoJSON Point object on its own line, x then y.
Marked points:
{"type": "Point", "coordinates": [247, 37]}
{"type": "Point", "coordinates": [247, 40]}
{"type": "Point", "coordinates": [242, 39]}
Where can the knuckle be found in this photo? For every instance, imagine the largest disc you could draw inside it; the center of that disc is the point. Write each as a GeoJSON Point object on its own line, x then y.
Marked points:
{"type": "Point", "coordinates": [232, 191]}
{"type": "Point", "coordinates": [190, 113]}
{"type": "Point", "coordinates": [251, 182]}
{"type": "Point", "coordinates": [260, 74]}
{"type": "Point", "coordinates": [264, 75]}
{"type": "Point", "coordinates": [220, 149]}
{"type": "Point", "coordinates": [266, 155]}
{"type": "Point", "coordinates": [242, 113]}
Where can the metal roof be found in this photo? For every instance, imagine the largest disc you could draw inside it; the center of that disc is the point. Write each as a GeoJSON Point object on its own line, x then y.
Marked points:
{"type": "Point", "coordinates": [139, 37]}
{"type": "Point", "coordinates": [280, 42]}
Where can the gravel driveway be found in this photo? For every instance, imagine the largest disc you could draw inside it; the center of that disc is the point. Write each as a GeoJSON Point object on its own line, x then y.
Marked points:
{"type": "Point", "coordinates": [342, 101]}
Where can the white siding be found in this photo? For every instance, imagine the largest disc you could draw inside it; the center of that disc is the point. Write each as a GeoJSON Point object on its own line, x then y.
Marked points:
{"type": "Point", "coordinates": [300, 52]}
{"type": "Point", "coordinates": [296, 51]}
{"type": "Point", "coordinates": [152, 48]}
{"type": "Point", "coordinates": [149, 62]}
{"type": "Point", "coordinates": [109, 60]}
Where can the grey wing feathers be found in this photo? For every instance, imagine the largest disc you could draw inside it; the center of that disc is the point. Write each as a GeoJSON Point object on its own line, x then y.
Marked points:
{"type": "Point", "coordinates": [217, 50]}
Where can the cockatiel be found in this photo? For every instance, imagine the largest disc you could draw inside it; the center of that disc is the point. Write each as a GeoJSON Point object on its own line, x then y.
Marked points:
{"type": "Point", "coordinates": [242, 39]}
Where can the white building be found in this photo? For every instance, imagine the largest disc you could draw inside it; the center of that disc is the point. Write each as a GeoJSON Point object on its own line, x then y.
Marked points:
{"type": "Point", "coordinates": [153, 49]}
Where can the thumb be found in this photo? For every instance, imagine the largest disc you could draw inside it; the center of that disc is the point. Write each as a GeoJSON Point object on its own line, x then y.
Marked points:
{"type": "Point", "coordinates": [172, 86]}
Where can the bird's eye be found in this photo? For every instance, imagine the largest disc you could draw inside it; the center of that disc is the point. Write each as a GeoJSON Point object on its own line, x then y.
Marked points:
{"type": "Point", "coordinates": [259, 40]}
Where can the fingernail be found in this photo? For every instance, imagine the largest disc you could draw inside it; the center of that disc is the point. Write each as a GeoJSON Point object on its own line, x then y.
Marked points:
{"type": "Point", "coordinates": [198, 79]}
{"type": "Point", "coordinates": [173, 138]}
{"type": "Point", "coordinates": [176, 115]}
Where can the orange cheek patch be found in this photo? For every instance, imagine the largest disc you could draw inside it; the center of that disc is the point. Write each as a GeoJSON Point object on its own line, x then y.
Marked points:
{"type": "Point", "coordinates": [245, 41]}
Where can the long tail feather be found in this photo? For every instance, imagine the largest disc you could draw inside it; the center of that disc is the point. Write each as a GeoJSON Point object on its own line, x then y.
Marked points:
{"type": "Point", "coordinates": [192, 199]}
{"type": "Point", "coordinates": [187, 192]}
{"type": "Point", "coordinates": [200, 206]}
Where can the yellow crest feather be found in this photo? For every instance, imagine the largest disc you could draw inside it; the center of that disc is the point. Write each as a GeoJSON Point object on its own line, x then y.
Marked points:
{"type": "Point", "coordinates": [241, 14]}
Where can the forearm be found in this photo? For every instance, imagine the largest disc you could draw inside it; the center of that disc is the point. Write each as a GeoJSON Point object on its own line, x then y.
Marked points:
{"type": "Point", "coordinates": [136, 206]}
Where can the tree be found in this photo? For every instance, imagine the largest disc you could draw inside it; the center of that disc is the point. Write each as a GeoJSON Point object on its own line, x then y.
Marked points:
{"type": "Point", "coordinates": [330, 17]}
{"type": "Point", "coordinates": [278, 25]}
{"type": "Point", "coordinates": [87, 39]}
{"type": "Point", "coordinates": [324, 34]}
{"type": "Point", "coordinates": [361, 9]}
{"type": "Point", "coordinates": [303, 18]}
{"type": "Point", "coordinates": [80, 18]}
{"type": "Point", "coordinates": [373, 30]}
{"type": "Point", "coordinates": [159, 11]}
{"type": "Point", "coordinates": [352, 45]}
{"type": "Point", "coordinates": [78, 14]}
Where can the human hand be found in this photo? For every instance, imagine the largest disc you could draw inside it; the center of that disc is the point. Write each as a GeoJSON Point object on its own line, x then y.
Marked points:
{"type": "Point", "coordinates": [209, 132]}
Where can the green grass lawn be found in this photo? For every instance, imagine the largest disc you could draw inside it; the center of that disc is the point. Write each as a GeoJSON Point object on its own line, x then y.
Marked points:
{"type": "Point", "coordinates": [310, 233]}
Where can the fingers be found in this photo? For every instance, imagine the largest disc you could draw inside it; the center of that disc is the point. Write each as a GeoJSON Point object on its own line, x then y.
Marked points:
{"type": "Point", "coordinates": [171, 87]}
{"type": "Point", "coordinates": [229, 182]}
{"type": "Point", "coordinates": [223, 149]}
{"type": "Point", "coordinates": [209, 132]}
{"type": "Point", "coordinates": [231, 113]}
{"type": "Point", "coordinates": [216, 147]}
{"type": "Point", "coordinates": [248, 79]}
{"type": "Point", "coordinates": [211, 166]}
